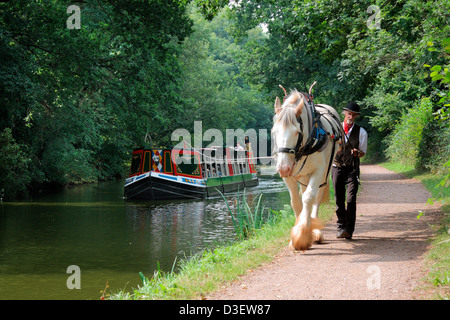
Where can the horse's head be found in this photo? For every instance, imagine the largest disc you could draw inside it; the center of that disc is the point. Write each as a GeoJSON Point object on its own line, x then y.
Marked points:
{"type": "Point", "coordinates": [287, 132]}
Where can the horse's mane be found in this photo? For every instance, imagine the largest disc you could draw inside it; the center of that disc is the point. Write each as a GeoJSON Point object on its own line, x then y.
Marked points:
{"type": "Point", "coordinates": [286, 117]}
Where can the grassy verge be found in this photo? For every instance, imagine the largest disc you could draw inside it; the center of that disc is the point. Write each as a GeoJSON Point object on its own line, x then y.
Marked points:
{"type": "Point", "coordinates": [211, 269]}
{"type": "Point", "coordinates": [438, 258]}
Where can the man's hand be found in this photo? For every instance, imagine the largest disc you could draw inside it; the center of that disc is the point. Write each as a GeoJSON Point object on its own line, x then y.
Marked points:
{"type": "Point", "coordinates": [357, 153]}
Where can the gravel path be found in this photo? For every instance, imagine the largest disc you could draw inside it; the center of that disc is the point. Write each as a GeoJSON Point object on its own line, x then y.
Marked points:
{"type": "Point", "coordinates": [384, 260]}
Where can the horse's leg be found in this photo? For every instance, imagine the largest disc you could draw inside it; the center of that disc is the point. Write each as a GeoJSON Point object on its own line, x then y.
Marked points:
{"type": "Point", "coordinates": [321, 198]}
{"type": "Point", "coordinates": [301, 233]}
{"type": "Point", "coordinates": [296, 201]}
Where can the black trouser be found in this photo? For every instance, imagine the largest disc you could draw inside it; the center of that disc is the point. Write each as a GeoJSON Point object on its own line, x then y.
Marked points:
{"type": "Point", "coordinates": [345, 181]}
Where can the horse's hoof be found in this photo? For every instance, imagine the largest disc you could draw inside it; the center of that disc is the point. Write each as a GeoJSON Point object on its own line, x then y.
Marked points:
{"type": "Point", "coordinates": [318, 236]}
{"type": "Point", "coordinates": [291, 247]}
{"type": "Point", "coordinates": [301, 238]}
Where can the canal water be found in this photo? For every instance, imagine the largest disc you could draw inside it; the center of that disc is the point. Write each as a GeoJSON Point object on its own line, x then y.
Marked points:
{"type": "Point", "coordinates": [109, 239]}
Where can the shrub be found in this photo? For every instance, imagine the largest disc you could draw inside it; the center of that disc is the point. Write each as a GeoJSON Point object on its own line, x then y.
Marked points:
{"type": "Point", "coordinates": [434, 148]}
{"type": "Point", "coordinates": [404, 143]}
{"type": "Point", "coordinates": [15, 173]}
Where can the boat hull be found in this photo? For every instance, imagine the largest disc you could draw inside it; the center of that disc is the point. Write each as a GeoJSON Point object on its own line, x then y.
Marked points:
{"type": "Point", "coordinates": [151, 186]}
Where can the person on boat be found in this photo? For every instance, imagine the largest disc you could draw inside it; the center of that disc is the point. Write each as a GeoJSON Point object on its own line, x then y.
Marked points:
{"type": "Point", "coordinates": [345, 171]}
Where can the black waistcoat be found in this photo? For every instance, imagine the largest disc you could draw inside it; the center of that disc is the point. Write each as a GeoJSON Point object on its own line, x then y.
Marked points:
{"type": "Point", "coordinates": [344, 156]}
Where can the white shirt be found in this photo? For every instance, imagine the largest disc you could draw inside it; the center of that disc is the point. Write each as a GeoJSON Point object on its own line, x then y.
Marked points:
{"type": "Point", "coordinates": [362, 138]}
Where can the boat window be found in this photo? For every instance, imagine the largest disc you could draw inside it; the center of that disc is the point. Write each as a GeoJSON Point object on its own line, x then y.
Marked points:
{"type": "Point", "coordinates": [146, 161]}
{"type": "Point", "coordinates": [135, 163]}
{"type": "Point", "coordinates": [167, 162]}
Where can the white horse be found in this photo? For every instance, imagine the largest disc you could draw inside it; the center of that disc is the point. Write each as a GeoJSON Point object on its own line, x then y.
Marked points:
{"type": "Point", "coordinates": [304, 154]}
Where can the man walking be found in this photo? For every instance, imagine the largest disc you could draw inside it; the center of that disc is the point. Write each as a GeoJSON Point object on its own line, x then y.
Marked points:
{"type": "Point", "coordinates": [345, 172]}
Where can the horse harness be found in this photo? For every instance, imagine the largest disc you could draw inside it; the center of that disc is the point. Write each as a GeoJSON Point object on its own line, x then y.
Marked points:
{"type": "Point", "coordinates": [317, 139]}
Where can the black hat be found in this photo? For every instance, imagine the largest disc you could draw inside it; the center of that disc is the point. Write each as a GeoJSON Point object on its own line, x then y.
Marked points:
{"type": "Point", "coordinates": [353, 107]}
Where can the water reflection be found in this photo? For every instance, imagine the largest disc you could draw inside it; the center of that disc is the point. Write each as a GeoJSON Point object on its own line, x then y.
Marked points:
{"type": "Point", "coordinates": [169, 230]}
{"type": "Point", "coordinates": [108, 238]}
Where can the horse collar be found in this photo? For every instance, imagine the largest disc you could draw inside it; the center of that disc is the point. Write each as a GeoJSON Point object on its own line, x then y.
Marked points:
{"type": "Point", "coordinates": [313, 119]}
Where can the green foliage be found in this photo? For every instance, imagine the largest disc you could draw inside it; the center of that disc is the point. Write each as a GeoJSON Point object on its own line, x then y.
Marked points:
{"type": "Point", "coordinates": [441, 75]}
{"type": "Point", "coordinates": [210, 8]}
{"type": "Point", "coordinates": [77, 101]}
{"type": "Point", "coordinates": [212, 84]}
{"type": "Point", "coordinates": [408, 134]}
{"type": "Point", "coordinates": [438, 158]}
{"type": "Point", "coordinates": [14, 166]}
{"type": "Point", "coordinates": [434, 148]}
{"type": "Point", "coordinates": [381, 69]}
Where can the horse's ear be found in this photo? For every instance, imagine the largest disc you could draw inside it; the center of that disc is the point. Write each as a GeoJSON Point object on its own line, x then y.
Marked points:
{"type": "Point", "coordinates": [299, 108]}
{"type": "Point", "coordinates": [277, 105]}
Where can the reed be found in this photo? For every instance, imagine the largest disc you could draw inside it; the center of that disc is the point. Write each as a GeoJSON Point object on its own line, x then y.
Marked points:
{"type": "Point", "coordinates": [249, 217]}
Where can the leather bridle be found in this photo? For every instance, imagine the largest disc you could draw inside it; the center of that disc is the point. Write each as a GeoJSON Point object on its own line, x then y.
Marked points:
{"type": "Point", "coordinates": [298, 150]}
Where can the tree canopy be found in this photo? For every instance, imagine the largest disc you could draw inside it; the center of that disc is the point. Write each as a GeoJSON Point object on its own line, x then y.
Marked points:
{"type": "Point", "coordinates": [383, 67]}
{"type": "Point", "coordinates": [75, 101]}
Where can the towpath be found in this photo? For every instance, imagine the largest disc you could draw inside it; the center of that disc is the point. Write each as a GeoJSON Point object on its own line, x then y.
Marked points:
{"type": "Point", "coordinates": [384, 260]}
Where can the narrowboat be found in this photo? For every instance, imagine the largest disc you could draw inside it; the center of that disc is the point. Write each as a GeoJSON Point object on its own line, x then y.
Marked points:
{"type": "Point", "coordinates": [181, 173]}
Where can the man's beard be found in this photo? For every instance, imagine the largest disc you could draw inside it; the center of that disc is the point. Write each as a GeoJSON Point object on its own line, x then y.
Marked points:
{"type": "Point", "coordinates": [349, 122]}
